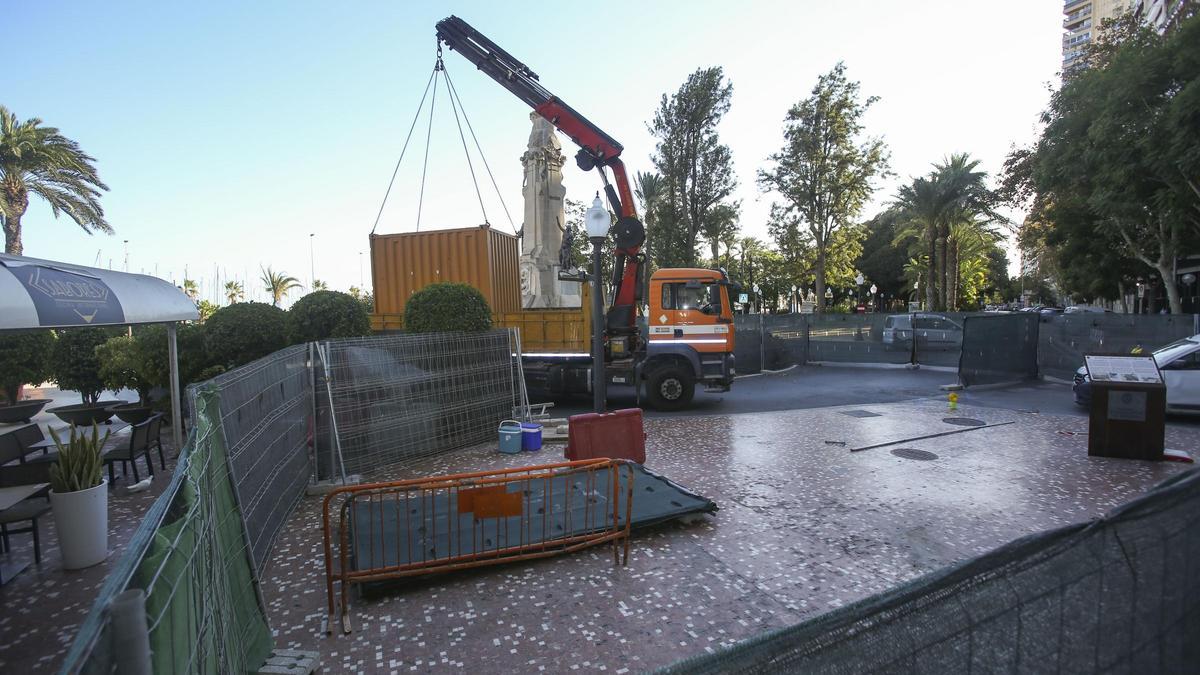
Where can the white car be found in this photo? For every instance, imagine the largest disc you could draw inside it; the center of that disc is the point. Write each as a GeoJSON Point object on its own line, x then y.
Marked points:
{"type": "Point", "coordinates": [1179, 363]}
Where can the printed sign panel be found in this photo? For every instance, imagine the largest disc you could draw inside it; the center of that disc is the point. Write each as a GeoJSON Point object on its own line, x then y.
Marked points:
{"type": "Point", "coordinates": [65, 298]}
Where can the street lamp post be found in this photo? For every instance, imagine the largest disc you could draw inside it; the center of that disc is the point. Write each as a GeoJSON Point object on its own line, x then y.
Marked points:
{"type": "Point", "coordinates": [312, 267]}
{"type": "Point", "coordinates": [757, 298]}
{"type": "Point", "coordinates": [874, 290]}
{"type": "Point", "coordinates": [597, 222]}
{"type": "Point", "coordinates": [792, 300]}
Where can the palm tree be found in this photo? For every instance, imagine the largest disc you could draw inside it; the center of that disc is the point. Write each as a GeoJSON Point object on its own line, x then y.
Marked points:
{"type": "Point", "coordinates": [319, 285]}
{"type": "Point", "coordinates": [278, 284]}
{"type": "Point", "coordinates": [924, 207]}
{"type": "Point", "coordinates": [190, 289]}
{"type": "Point", "coordinates": [39, 160]}
{"type": "Point", "coordinates": [234, 291]}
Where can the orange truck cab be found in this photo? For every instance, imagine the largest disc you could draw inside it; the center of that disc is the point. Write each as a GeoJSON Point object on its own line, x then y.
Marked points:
{"type": "Point", "coordinates": [690, 337]}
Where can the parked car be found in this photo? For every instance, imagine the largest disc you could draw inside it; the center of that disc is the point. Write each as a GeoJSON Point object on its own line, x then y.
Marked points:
{"type": "Point", "coordinates": [1051, 311]}
{"type": "Point", "coordinates": [1179, 363]}
{"type": "Point", "coordinates": [1085, 309]}
{"type": "Point", "coordinates": [932, 331]}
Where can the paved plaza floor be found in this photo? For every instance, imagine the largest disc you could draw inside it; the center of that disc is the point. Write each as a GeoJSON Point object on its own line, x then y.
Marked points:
{"type": "Point", "coordinates": [805, 526]}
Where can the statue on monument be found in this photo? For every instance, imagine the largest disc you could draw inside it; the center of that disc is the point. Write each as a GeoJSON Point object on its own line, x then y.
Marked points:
{"type": "Point", "coordinates": [543, 227]}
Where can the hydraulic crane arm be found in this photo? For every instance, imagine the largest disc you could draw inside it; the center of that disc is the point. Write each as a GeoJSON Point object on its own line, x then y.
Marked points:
{"type": "Point", "coordinates": [597, 150]}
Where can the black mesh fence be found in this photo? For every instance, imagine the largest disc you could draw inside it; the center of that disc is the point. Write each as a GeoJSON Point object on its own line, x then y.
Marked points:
{"type": "Point", "coordinates": [785, 340]}
{"type": "Point", "coordinates": [1120, 594]}
{"type": "Point", "coordinates": [856, 338]}
{"type": "Point", "coordinates": [1065, 338]}
{"type": "Point", "coordinates": [748, 343]}
{"type": "Point", "coordinates": [999, 348]}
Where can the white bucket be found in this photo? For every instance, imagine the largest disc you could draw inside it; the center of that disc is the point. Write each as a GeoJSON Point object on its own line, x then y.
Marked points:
{"type": "Point", "coordinates": [81, 519]}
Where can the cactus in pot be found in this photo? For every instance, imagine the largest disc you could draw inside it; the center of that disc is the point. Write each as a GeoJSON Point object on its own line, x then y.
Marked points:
{"type": "Point", "coordinates": [80, 462]}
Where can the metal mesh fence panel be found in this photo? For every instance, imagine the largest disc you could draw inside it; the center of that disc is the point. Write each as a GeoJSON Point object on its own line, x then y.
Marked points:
{"type": "Point", "coordinates": [190, 557]}
{"type": "Point", "coordinates": [1121, 594]}
{"type": "Point", "coordinates": [1064, 339]}
{"type": "Point", "coordinates": [397, 397]}
{"type": "Point", "coordinates": [785, 340]}
{"type": "Point", "coordinates": [854, 338]}
{"type": "Point", "coordinates": [938, 337]}
{"type": "Point", "coordinates": [265, 411]}
{"type": "Point", "coordinates": [748, 343]}
{"type": "Point", "coordinates": [999, 348]}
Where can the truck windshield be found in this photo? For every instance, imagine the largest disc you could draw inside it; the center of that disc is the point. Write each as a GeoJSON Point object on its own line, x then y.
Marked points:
{"type": "Point", "coordinates": [705, 297]}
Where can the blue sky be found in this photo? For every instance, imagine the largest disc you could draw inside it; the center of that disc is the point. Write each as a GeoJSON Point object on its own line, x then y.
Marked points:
{"type": "Point", "coordinates": [230, 131]}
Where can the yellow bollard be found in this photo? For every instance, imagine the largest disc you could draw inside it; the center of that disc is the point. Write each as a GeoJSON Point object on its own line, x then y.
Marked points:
{"type": "Point", "coordinates": [953, 398]}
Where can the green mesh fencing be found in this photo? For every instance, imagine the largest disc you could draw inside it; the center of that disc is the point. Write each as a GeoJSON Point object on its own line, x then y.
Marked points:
{"type": "Point", "coordinates": [190, 557]}
{"type": "Point", "coordinates": [1120, 594]}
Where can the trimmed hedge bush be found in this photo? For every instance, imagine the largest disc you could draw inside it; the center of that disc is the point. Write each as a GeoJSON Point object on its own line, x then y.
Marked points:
{"type": "Point", "coordinates": [24, 359]}
{"type": "Point", "coordinates": [74, 364]}
{"type": "Point", "coordinates": [327, 314]}
{"type": "Point", "coordinates": [243, 332]}
{"type": "Point", "coordinates": [447, 308]}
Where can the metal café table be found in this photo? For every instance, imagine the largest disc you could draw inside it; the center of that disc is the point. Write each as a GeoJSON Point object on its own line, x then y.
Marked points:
{"type": "Point", "coordinates": [10, 497]}
{"type": "Point", "coordinates": [65, 432]}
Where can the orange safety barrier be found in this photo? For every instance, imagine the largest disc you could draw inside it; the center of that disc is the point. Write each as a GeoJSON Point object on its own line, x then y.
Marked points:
{"type": "Point", "coordinates": [444, 523]}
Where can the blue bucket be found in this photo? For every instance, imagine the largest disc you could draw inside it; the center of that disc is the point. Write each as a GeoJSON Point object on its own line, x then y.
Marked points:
{"type": "Point", "coordinates": [510, 437]}
{"type": "Point", "coordinates": [531, 436]}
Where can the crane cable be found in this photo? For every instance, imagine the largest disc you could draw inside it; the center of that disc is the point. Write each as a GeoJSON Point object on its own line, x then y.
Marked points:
{"type": "Point", "coordinates": [455, 105]}
{"type": "Point", "coordinates": [478, 148]}
{"type": "Point", "coordinates": [402, 151]}
{"type": "Point", "coordinates": [428, 134]}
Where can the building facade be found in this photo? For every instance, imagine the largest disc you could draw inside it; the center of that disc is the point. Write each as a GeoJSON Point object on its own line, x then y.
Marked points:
{"type": "Point", "coordinates": [1081, 23]}
{"type": "Point", "coordinates": [1164, 15]}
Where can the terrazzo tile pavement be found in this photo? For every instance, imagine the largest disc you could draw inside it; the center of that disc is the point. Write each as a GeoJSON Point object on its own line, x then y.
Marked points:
{"type": "Point", "coordinates": [42, 608]}
{"type": "Point", "coordinates": [805, 526]}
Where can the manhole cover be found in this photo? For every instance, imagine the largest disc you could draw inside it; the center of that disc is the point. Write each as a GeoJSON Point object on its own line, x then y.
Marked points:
{"type": "Point", "coordinates": [964, 421]}
{"type": "Point", "coordinates": [913, 453]}
{"type": "Point", "coordinates": [860, 413]}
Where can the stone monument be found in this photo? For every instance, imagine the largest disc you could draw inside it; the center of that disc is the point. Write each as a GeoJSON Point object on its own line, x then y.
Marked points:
{"type": "Point", "coordinates": [545, 221]}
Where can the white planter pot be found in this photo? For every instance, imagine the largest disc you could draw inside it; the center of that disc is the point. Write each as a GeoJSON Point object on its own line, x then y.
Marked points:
{"type": "Point", "coordinates": [81, 519]}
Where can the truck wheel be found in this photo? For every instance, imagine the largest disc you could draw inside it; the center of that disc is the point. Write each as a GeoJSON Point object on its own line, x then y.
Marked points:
{"type": "Point", "coordinates": [670, 388]}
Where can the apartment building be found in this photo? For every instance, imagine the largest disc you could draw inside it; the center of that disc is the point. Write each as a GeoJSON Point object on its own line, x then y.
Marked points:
{"type": "Point", "coordinates": [1083, 19]}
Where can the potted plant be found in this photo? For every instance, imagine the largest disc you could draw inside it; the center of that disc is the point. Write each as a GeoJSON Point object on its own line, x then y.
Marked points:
{"type": "Point", "coordinates": [121, 367]}
{"type": "Point", "coordinates": [74, 365]}
{"type": "Point", "coordinates": [24, 359]}
{"type": "Point", "coordinates": [79, 497]}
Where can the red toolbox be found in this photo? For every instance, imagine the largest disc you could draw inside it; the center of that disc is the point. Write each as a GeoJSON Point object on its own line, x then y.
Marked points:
{"type": "Point", "coordinates": [616, 435]}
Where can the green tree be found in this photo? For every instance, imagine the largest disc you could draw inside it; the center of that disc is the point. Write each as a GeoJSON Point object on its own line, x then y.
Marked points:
{"type": "Point", "coordinates": [206, 309]}
{"type": "Point", "coordinates": [825, 171]}
{"type": "Point", "coordinates": [74, 364]}
{"type": "Point", "coordinates": [234, 292]}
{"type": "Point", "coordinates": [881, 260]}
{"type": "Point", "coordinates": [24, 359]}
{"type": "Point", "coordinates": [41, 161]}
{"type": "Point", "coordinates": [321, 315]}
{"type": "Point", "coordinates": [1120, 144]}
{"type": "Point", "coordinates": [277, 284]}
{"type": "Point", "coordinates": [366, 298]}
{"type": "Point", "coordinates": [318, 285]}
{"type": "Point", "coordinates": [191, 289]}
{"type": "Point", "coordinates": [696, 168]}
{"type": "Point", "coordinates": [941, 211]}
{"type": "Point", "coordinates": [120, 366]}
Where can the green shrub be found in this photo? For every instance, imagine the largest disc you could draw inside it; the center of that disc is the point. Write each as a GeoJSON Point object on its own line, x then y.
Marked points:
{"type": "Point", "coordinates": [121, 367]}
{"type": "Point", "coordinates": [24, 359]}
{"type": "Point", "coordinates": [153, 362]}
{"type": "Point", "coordinates": [74, 364]}
{"type": "Point", "coordinates": [327, 314]}
{"type": "Point", "coordinates": [445, 308]}
{"type": "Point", "coordinates": [243, 332]}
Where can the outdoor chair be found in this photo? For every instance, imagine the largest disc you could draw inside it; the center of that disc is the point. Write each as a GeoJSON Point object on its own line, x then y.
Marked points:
{"type": "Point", "coordinates": [127, 454]}
{"type": "Point", "coordinates": [156, 424]}
{"type": "Point", "coordinates": [10, 448]}
{"type": "Point", "coordinates": [29, 510]}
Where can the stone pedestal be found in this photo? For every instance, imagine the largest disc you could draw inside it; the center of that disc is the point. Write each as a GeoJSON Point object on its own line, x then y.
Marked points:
{"type": "Point", "coordinates": [545, 220]}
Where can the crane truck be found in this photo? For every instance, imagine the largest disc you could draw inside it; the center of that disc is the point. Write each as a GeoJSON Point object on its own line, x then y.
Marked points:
{"type": "Point", "coordinates": [688, 339]}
